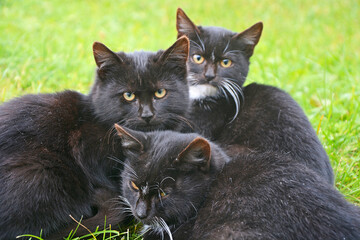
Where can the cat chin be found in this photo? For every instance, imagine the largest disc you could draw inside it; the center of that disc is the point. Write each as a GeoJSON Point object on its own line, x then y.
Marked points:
{"type": "Point", "coordinates": [202, 91]}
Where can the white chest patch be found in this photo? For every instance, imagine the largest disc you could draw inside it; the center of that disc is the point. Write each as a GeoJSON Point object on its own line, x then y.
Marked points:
{"type": "Point", "coordinates": [202, 91]}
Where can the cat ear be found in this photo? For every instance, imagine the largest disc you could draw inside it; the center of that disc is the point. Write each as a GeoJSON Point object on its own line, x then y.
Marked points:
{"type": "Point", "coordinates": [184, 25]}
{"type": "Point", "coordinates": [130, 139]}
{"type": "Point", "coordinates": [104, 56]}
{"type": "Point", "coordinates": [197, 153]}
{"type": "Point", "coordinates": [178, 52]}
{"type": "Point", "coordinates": [250, 36]}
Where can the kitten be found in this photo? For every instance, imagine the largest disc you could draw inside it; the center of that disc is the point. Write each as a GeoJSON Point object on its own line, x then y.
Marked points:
{"type": "Point", "coordinates": [244, 119]}
{"type": "Point", "coordinates": [56, 150]}
{"type": "Point", "coordinates": [166, 177]}
{"type": "Point", "coordinates": [169, 185]}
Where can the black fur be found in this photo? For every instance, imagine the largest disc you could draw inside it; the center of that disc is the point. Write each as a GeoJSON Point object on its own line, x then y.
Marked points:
{"type": "Point", "coordinates": [254, 118]}
{"type": "Point", "coordinates": [58, 156]}
{"type": "Point", "coordinates": [53, 158]}
{"type": "Point", "coordinates": [268, 196]}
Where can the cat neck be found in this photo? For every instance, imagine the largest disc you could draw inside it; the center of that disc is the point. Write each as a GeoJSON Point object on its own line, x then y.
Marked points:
{"type": "Point", "coordinates": [211, 114]}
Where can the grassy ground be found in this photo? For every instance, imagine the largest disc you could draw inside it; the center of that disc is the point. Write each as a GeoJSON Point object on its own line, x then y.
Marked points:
{"type": "Point", "coordinates": [309, 48]}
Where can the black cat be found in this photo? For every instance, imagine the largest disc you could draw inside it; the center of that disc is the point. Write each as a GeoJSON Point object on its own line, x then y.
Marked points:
{"type": "Point", "coordinates": [166, 183]}
{"type": "Point", "coordinates": [57, 151]}
{"type": "Point", "coordinates": [166, 177]}
{"type": "Point", "coordinates": [254, 118]}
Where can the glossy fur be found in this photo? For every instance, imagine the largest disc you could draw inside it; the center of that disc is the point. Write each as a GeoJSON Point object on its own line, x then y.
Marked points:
{"type": "Point", "coordinates": [245, 119]}
{"type": "Point", "coordinates": [172, 173]}
{"type": "Point", "coordinates": [58, 156]}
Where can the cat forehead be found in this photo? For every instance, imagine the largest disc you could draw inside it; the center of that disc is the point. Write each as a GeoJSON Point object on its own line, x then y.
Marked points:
{"type": "Point", "coordinates": [216, 32]}
{"type": "Point", "coordinates": [215, 40]}
{"type": "Point", "coordinates": [141, 59]}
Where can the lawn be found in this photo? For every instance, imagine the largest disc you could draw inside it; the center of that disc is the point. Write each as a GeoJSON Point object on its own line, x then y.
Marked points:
{"type": "Point", "coordinates": [308, 48]}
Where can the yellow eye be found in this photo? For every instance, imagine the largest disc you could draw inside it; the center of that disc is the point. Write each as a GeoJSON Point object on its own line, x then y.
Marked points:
{"type": "Point", "coordinates": [160, 93]}
{"type": "Point", "coordinates": [163, 194]}
{"type": "Point", "coordinates": [133, 185]}
{"type": "Point", "coordinates": [129, 96]}
{"type": "Point", "coordinates": [198, 58]}
{"type": "Point", "coordinates": [226, 63]}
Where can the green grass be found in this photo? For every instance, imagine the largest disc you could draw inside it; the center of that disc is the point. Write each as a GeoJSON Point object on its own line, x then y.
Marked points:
{"type": "Point", "coordinates": [309, 48]}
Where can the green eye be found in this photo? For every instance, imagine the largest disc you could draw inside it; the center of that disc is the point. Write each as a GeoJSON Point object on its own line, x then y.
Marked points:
{"type": "Point", "coordinates": [198, 58]}
{"type": "Point", "coordinates": [129, 96]}
{"type": "Point", "coordinates": [226, 63]}
{"type": "Point", "coordinates": [160, 93]}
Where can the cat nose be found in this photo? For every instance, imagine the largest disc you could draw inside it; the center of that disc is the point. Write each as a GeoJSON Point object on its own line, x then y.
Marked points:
{"type": "Point", "coordinates": [209, 74]}
{"type": "Point", "coordinates": [141, 210]}
{"type": "Point", "coordinates": [147, 114]}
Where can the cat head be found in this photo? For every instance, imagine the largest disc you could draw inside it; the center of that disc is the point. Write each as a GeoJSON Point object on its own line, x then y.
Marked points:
{"type": "Point", "coordinates": [166, 175]}
{"type": "Point", "coordinates": [141, 90]}
{"type": "Point", "coordinates": [218, 58]}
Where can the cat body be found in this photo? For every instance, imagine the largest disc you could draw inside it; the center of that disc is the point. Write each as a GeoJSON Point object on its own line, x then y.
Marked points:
{"type": "Point", "coordinates": [58, 156]}
{"type": "Point", "coordinates": [53, 159]}
{"type": "Point", "coordinates": [268, 196]}
{"type": "Point", "coordinates": [252, 118]}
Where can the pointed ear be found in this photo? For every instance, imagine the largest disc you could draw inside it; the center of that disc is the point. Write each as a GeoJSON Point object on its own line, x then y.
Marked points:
{"type": "Point", "coordinates": [196, 154]}
{"type": "Point", "coordinates": [184, 25]}
{"type": "Point", "coordinates": [178, 52]}
{"type": "Point", "coordinates": [104, 56]}
{"type": "Point", "coordinates": [130, 139]}
{"type": "Point", "coordinates": [250, 36]}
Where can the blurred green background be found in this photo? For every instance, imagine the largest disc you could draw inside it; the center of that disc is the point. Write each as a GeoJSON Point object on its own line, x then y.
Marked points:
{"type": "Point", "coordinates": [308, 48]}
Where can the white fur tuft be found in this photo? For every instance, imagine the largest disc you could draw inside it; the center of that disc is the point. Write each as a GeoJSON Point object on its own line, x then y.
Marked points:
{"type": "Point", "coordinates": [202, 91]}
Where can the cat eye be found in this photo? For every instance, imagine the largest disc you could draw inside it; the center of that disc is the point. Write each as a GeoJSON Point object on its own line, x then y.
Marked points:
{"type": "Point", "coordinates": [133, 186]}
{"type": "Point", "coordinates": [129, 96]}
{"type": "Point", "coordinates": [198, 58]}
{"type": "Point", "coordinates": [163, 194]}
{"type": "Point", "coordinates": [226, 63]}
{"type": "Point", "coordinates": [160, 93]}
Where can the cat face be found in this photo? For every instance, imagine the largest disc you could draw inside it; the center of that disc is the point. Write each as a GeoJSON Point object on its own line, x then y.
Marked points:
{"type": "Point", "coordinates": [218, 58]}
{"type": "Point", "coordinates": [166, 175]}
{"type": "Point", "coordinates": [141, 90]}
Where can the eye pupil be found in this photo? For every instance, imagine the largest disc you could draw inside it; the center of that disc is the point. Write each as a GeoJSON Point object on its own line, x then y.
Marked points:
{"type": "Point", "coordinates": [129, 96]}
{"type": "Point", "coordinates": [160, 93]}
{"type": "Point", "coordinates": [198, 59]}
{"type": "Point", "coordinates": [225, 63]}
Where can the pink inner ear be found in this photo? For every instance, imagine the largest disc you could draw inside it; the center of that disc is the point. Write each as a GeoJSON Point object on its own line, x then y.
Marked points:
{"type": "Point", "coordinates": [197, 144]}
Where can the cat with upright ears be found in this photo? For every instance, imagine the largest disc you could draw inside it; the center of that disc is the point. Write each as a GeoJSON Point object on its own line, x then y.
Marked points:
{"type": "Point", "coordinates": [57, 154]}
{"type": "Point", "coordinates": [182, 186]}
{"type": "Point", "coordinates": [244, 119]}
